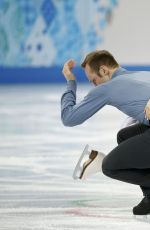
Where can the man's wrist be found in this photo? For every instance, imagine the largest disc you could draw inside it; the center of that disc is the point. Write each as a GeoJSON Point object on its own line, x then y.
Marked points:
{"type": "Point", "coordinates": [70, 77]}
{"type": "Point", "coordinates": [71, 80]}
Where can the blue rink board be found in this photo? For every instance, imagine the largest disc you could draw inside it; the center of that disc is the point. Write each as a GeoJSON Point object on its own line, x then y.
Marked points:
{"type": "Point", "coordinates": [48, 75]}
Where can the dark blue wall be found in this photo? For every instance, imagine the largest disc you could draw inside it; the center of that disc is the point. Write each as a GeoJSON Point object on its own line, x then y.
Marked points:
{"type": "Point", "coordinates": [47, 75]}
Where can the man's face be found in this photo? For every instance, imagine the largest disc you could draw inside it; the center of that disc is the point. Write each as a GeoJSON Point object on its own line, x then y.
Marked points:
{"type": "Point", "coordinates": [95, 78]}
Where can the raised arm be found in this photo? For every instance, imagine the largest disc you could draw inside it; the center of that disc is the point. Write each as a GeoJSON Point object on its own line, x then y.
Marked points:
{"type": "Point", "coordinates": [74, 114]}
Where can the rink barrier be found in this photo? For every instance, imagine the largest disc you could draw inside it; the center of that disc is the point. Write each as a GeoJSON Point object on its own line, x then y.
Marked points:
{"type": "Point", "coordinates": [26, 75]}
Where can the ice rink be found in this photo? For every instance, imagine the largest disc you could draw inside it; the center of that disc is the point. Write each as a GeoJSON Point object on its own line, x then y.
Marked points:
{"type": "Point", "coordinates": [37, 158]}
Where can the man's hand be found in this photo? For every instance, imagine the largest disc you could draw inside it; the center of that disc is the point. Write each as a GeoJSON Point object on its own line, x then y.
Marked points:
{"type": "Point", "coordinates": [147, 110]}
{"type": "Point", "coordinates": [67, 70]}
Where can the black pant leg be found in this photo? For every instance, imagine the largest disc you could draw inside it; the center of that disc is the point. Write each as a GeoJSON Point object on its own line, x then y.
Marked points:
{"type": "Point", "coordinates": [131, 131]}
{"type": "Point", "coordinates": [130, 160]}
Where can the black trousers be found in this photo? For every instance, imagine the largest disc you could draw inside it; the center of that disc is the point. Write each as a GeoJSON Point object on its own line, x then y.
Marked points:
{"type": "Point", "coordinates": [130, 160]}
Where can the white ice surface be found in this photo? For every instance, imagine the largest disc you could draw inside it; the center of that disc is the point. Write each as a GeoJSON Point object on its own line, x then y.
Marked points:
{"type": "Point", "coordinates": [37, 158]}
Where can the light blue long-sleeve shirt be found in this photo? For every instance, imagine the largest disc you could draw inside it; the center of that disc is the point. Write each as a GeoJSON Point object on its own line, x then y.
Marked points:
{"type": "Point", "coordinates": [127, 91]}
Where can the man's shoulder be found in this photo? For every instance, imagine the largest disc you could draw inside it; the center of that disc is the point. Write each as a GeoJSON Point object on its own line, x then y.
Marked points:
{"type": "Point", "coordinates": [136, 77]}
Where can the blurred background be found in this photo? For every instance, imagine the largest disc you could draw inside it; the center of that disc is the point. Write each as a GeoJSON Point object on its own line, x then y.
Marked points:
{"type": "Point", "coordinates": [37, 153]}
{"type": "Point", "coordinates": [38, 36]}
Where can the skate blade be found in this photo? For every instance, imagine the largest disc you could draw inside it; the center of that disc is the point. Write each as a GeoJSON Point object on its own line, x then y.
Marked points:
{"type": "Point", "coordinates": [94, 166]}
{"type": "Point", "coordinates": [78, 169]}
{"type": "Point", "coordinates": [142, 217]}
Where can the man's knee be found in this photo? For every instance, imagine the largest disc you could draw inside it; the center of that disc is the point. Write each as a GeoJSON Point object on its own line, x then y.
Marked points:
{"type": "Point", "coordinates": [105, 168]}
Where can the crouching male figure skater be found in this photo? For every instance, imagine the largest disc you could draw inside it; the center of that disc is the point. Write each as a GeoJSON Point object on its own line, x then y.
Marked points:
{"type": "Point", "coordinates": [129, 92]}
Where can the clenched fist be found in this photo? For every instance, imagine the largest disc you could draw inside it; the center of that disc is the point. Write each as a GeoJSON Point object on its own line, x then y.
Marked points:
{"type": "Point", "coordinates": [67, 70]}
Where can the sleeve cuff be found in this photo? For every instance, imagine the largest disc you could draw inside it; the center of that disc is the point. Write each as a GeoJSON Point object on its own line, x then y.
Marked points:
{"type": "Point", "coordinates": [72, 85]}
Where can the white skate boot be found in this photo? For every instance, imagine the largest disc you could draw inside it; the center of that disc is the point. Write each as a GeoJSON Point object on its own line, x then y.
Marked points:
{"type": "Point", "coordinates": [89, 163]}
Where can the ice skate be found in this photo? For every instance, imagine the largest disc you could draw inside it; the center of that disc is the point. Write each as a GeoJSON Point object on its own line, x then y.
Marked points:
{"type": "Point", "coordinates": [143, 208]}
{"type": "Point", "coordinates": [89, 163]}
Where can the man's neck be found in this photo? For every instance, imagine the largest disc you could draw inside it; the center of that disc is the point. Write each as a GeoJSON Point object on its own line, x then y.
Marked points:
{"type": "Point", "coordinates": [111, 71]}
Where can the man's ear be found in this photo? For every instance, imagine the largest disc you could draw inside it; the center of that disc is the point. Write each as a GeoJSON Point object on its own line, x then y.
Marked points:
{"type": "Point", "coordinates": [103, 70]}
